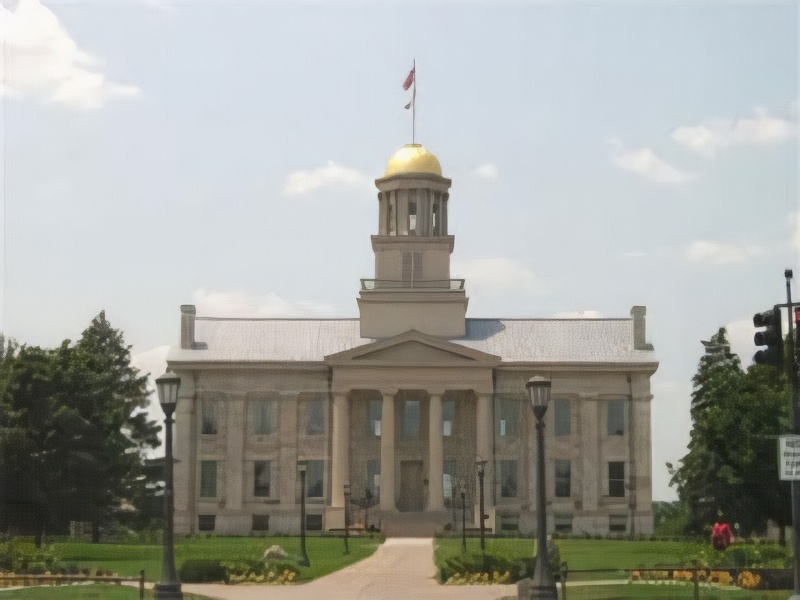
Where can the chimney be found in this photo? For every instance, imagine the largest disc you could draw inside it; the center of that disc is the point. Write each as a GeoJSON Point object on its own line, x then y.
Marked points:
{"type": "Point", "coordinates": [637, 314]}
{"type": "Point", "coordinates": [188, 313]}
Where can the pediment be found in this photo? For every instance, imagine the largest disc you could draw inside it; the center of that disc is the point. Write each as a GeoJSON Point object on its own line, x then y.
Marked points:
{"type": "Point", "coordinates": [413, 348]}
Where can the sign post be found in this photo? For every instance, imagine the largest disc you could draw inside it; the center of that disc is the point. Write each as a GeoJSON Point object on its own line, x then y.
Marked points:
{"type": "Point", "coordinates": [789, 457]}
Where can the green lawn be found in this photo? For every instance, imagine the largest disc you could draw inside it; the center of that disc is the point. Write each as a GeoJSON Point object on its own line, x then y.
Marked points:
{"type": "Point", "coordinates": [325, 553]}
{"type": "Point", "coordinates": [84, 592]}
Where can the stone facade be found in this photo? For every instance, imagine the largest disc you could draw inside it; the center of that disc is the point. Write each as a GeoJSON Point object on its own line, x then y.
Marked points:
{"type": "Point", "coordinates": [402, 402]}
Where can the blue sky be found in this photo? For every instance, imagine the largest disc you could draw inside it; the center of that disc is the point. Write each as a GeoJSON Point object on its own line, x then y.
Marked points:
{"type": "Point", "coordinates": [603, 154]}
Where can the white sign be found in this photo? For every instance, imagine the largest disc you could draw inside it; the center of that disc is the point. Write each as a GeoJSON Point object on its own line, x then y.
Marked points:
{"type": "Point", "coordinates": [789, 457]}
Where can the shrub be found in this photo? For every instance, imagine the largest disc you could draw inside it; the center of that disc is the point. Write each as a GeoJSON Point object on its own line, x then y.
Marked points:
{"type": "Point", "coordinates": [20, 555]}
{"type": "Point", "coordinates": [748, 580]}
{"type": "Point", "coordinates": [203, 570]}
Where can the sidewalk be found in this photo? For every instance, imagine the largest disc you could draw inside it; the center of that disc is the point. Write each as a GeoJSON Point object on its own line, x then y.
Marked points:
{"type": "Point", "coordinates": [400, 569]}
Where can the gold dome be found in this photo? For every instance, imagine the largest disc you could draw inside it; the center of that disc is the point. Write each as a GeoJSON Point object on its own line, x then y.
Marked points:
{"type": "Point", "coordinates": [413, 158]}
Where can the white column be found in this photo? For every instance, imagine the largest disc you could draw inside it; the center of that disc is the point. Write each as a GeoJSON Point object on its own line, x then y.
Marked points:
{"type": "Point", "coordinates": [483, 446]}
{"type": "Point", "coordinates": [387, 451]}
{"type": "Point", "coordinates": [185, 454]}
{"type": "Point", "coordinates": [340, 455]}
{"type": "Point", "coordinates": [234, 452]}
{"type": "Point", "coordinates": [435, 452]}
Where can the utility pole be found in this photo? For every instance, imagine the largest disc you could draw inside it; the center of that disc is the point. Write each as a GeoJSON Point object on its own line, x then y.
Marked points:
{"type": "Point", "coordinates": [793, 375]}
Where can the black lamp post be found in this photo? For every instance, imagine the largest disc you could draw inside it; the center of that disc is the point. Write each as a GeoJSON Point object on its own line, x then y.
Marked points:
{"type": "Point", "coordinates": [542, 586]}
{"type": "Point", "coordinates": [462, 488]}
{"type": "Point", "coordinates": [301, 468]}
{"type": "Point", "coordinates": [170, 586]}
{"type": "Point", "coordinates": [481, 464]}
{"type": "Point", "coordinates": [346, 517]}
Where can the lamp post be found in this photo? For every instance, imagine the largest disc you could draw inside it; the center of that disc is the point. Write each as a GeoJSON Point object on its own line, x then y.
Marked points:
{"type": "Point", "coordinates": [462, 488]}
{"type": "Point", "coordinates": [170, 586]}
{"type": "Point", "coordinates": [542, 586]}
{"type": "Point", "coordinates": [346, 517]}
{"type": "Point", "coordinates": [481, 464]}
{"type": "Point", "coordinates": [301, 468]}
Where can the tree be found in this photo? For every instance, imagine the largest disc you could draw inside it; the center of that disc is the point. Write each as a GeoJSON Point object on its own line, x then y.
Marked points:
{"type": "Point", "coordinates": [730, 471]}
{"type": "Point", "coordinates": [79, 411]}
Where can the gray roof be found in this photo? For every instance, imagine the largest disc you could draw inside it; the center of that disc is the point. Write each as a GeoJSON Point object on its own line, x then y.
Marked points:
{"type": "Point", "coordinates": [514, 340]}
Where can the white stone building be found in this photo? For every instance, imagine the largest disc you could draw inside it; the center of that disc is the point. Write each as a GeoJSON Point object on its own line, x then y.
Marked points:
{"type": "Point", "coordinates": [400, 402]}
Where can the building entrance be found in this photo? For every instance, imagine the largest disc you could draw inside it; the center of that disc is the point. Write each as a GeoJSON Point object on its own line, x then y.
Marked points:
{"type": "Point", "coordinates": [411, 497]}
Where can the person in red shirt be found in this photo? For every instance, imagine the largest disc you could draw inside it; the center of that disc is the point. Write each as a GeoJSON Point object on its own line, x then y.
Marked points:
{"type": "Point", "coordinates": [721, 536]}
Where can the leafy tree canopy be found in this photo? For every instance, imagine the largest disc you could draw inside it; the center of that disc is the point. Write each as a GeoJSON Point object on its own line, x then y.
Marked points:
{"type": "Point", "coordinates": [72, 431]}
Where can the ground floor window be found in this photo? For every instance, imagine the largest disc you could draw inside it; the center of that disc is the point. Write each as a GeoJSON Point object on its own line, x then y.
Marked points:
{"type": "Point", "coordinates": [314, 522]}
{"type": "Point", "coordinates": [208, 479]}
{"type": "Point", "coordinates": [616, 479]}
{"type": "Point", "coordinates": [261, 479]}
{"type": "Point", "coordinates": [508, 478]}
{"type": "Point", "coordinates": [315, 472]}
{"type": "Point", "coordinates": [206, 522]}
{"type": "Point", "coordinates": [563, 523]}
{"type": "Point", "coordinates": [618, 522]}
{"type": "Point", "coordinates": [260, 522]}
{"type": "Point", "coordinates": [563, 471]}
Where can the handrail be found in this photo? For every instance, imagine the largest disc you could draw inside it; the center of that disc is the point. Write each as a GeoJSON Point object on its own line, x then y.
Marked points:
{"type": "Point", "coordinates": [420, 284]}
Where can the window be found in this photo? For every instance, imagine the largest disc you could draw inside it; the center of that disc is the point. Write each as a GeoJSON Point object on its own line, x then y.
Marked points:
{"type": "Point", "coordinates": [315, 417]}
{"type": "Point", "coordinates": [374, 417]}
{"type": "Point", "coordinates": [208, 479]}
{"type": "Point", "coordinates": [448, 417]}
{"type": "Point", "coordinates": [616, 479]}
{"type": "Point", "coordinates": [508, 417]}
{"type": "Point", "coordinates": [315, 472]}
{"type": "Point", "coordinates": [449, 479]}
{"type": "Point", "coordinates": [260, 522]}
{"type": "Point", "coordinates": [508, 478]}
{"type": "Point", "coordinates": [412, 218]}
{"type": "Point", "coordinates": [562, 425]}
{"type": "Point", "coordinates": [617, 523]}
{"type": "Point", "coordinates": [206, 522]}
{"type": "Point", "coordinates": [374, 477]}
{"type": "Point", "coordinates": [563, 524]}
{"type": "Point", "coordinates": [261, 478]}
{"type": "Point", "coordinates": [435, 215]}
{"type": "Point", "coordinates": [509, 523]}
{"type": "Point", "coordinates": [616, 417]}
{"type": "Point", "coordinates": [563, 478]}
{"type": "Point", "coordinates": [314, 522]}
{"type": "Point", "coordinates": [411, 419]}
{"type": "Point", "coordinates": [210, 416]}
{"type": "Point", "coordinates": [263, 417]}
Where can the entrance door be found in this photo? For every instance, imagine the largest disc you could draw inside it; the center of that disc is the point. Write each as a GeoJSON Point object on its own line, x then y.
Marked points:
{"type": "Point", "coordinates": [410, 486]}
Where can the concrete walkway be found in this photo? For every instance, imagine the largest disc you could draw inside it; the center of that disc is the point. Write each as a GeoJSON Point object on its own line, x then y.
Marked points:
{"type": "Point", "coordinates": [400, 569]}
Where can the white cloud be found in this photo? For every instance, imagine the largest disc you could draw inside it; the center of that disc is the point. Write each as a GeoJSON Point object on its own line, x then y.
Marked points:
{"type": "Point", "coordinates": [154, 363]}
{"type": "Point", "coordinates": [578, 314]}
{"type": "Point", "coordinates": [720, 254]}
{"type": "Point", "coordinates": [493, 276]}
{"type": "Point", "coordinates": [740, 336]}
{"type": "Point", "coordinates": [39, 58]}
{"type": "Point", "coordinates": [712, 135]}
{"type": "Point", "coordinates": [486, 171]}
{"type": "Point", "coordinates": [299, 182]}
{"type": "Point", "coordinates": [241, 304]}
{"type": "Point", "coordinates": [646, 163]}
{"type": "Point", "coordinates": [671, 402]}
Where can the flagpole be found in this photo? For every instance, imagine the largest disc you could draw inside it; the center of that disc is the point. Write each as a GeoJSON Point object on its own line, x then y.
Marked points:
{"type": "Point", "coordinates": [414, 105]}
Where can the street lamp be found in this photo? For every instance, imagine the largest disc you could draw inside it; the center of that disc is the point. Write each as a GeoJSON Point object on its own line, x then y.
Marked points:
{"type": "Point", "coordinates": [481, 464]}
{"type": "Point", "coordinates": [170, 587]}
{"type": "Point", "coordinates": [302, 465]}
{"type": "Point", "coordinates": [542, 585]}
{"type": "Point", "coordinates": [463, 489]}
{"type": "Point", "coordinates": [346, 517]}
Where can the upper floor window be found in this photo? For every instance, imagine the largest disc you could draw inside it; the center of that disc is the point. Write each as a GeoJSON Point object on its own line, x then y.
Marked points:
{"type": "Point", "coordinates": [263, 416]}
{"type": "Point", "coordinates": [411, 419]}
{"type": "Point", "coordinates": [448, 417]}
{"type": "Point", "coordinates": [315, 416]}
{"type": "Point", "coordinates": [375, 410]}
{"type": "Point", "coordinates": [562, 424]}
{"type": "Point", "coordinates": [508, 417]}
{"type": "Point", "coordinates": [616, 417]}
{"type": "Point", "coordinates": [211, 409]}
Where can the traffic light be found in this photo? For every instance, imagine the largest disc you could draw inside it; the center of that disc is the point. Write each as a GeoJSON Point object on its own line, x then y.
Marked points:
{"type": "Point", "coordinates": [771, 337]}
